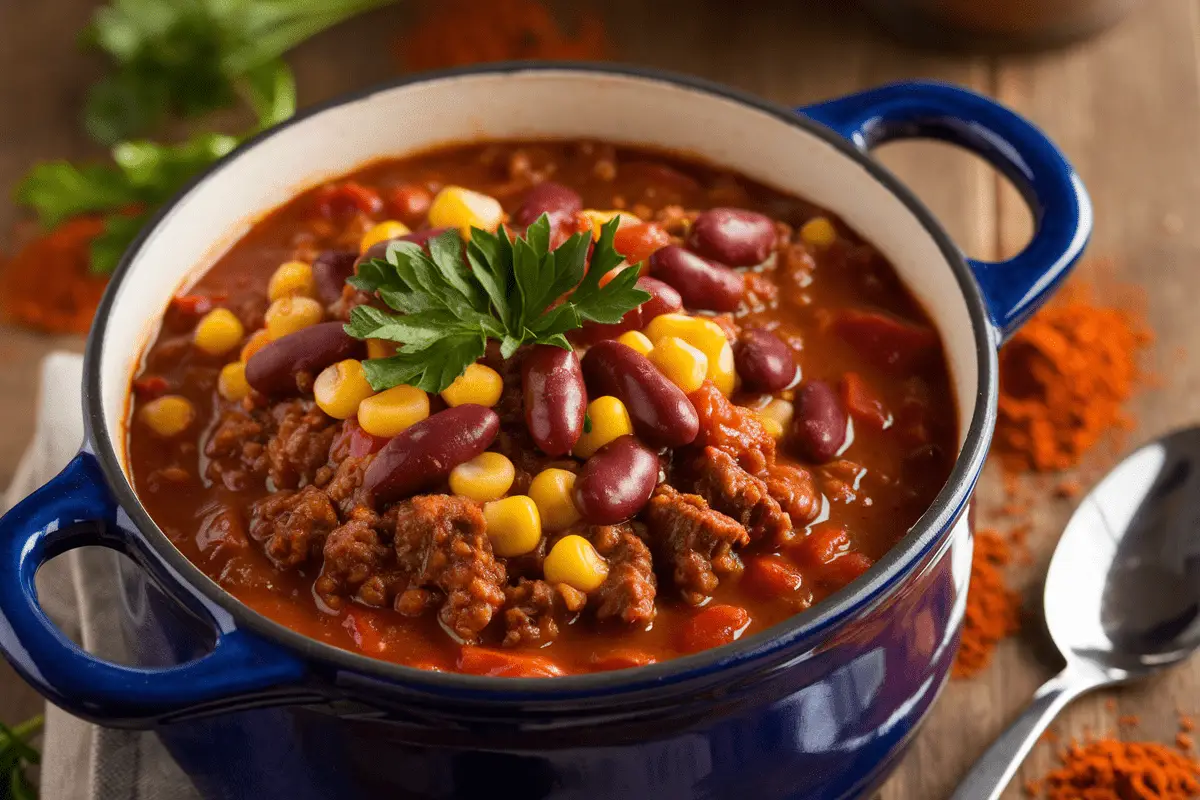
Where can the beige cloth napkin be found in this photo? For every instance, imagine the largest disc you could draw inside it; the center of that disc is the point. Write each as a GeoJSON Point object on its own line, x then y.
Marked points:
{"type": "Point", "coordinates": [81, 761]}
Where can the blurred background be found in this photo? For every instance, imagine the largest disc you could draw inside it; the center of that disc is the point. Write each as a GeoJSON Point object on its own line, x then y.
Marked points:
{"type": "Point", "coordinates": [105, 109]}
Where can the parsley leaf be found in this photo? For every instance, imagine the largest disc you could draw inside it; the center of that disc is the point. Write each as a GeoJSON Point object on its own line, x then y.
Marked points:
{"type": "Point", "coordinates": [194, 57]}
{"type": "Point", "coordinates": [453, 299]}
{"type": "Point", "coordinates": [143, 176]}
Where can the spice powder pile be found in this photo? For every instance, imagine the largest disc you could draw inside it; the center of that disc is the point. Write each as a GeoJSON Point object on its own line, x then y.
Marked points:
{"type": "Point", "coordinates": [993, 610]}
{"type": "Point", "coordinates": [1064, 379]}
{"type": "Point", "coordinates": [1108, 769]}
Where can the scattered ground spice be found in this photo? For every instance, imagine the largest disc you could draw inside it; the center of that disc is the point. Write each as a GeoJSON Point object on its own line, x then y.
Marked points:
{"type": "Point", "coordinates": [1108, 769]}
{"type": "Point", "coordinates": [1186, 723]}
{"type": "Point", "coordinates": [1064, 378]}
{"type": "Point", "coordinates": [459, 32]}
{"type": "Point", "coordinates": [993, 609]}
{"type": "Point", "coordinates": [1129, 720]}
{"type": "Point", "coordinates": [48, 285]}
{"type": "Point", "coordinates": [1184, 742]}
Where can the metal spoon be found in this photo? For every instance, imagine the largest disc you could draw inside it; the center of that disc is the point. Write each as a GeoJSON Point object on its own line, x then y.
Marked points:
{"type": "Point", "coordinates": [1122, 595]}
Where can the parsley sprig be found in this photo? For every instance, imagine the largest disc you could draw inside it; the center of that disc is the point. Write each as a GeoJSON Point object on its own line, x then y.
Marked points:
{"type": "Point", "coordinates": [15, 755]}
{"type": "Point", "coordinates": [452, 300]}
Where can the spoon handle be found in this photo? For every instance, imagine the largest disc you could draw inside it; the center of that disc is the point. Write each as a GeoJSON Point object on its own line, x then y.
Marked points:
{"type": "Point", "coordinates": [995, 768]}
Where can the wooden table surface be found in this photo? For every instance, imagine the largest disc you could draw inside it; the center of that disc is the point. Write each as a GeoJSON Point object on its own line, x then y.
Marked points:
{"type": "Point", "coordinates": [1125, 108]}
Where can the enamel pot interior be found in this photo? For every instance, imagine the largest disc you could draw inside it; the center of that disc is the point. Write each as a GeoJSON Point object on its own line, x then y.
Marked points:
{"type": "Point", "coordinates": [767, 143]}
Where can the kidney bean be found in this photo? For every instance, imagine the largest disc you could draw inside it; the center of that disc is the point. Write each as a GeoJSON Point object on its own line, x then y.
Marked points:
{"type": "Point", "coordinates": [661, 413]}
{"type": "Point", "coordinates": [272, 370]}
{"type": "Point", "coordinates": [617, 481]}
{"type": "Point", "coordinates": [700, 282]}
{"type": "Point", "coordinates": [554, 199]}
{"type": "Point", "coordinates": [712, 627]}
{"type": "Point", "coordinates": [330, 271]}
{"type": "Point", "coordinates": [733, 236]}
{"type": "Point", "coordinates": [426, 452]}
{"type": "Point", "coordinates": [555, 398]}
{"type": "Point", "coordinates": [663, 300]}
{"type": "Point", "coordinates": [765, 363]}
{"type": "Point", "coordinates": [819, 427]}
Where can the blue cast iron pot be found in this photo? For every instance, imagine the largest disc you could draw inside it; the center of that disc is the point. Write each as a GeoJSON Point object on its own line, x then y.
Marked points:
{"type": "Point", "coordinates": [820, 706]}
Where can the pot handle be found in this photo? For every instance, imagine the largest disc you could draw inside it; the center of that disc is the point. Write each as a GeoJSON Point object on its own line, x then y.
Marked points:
{"type": "Point", "coordinates": [1062, 212]}
{"type": "Point", "coordinates": [75, 509]}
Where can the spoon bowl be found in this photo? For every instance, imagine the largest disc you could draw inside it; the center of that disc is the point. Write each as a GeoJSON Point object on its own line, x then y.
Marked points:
{"type": "Point", "coordinates": [1122, 597]}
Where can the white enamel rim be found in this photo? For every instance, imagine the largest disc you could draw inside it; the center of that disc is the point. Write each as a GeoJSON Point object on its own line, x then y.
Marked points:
{"type": "Point", "coordinates": [712, 122]}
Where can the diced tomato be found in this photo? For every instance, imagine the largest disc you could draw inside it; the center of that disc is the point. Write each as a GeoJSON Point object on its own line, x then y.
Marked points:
{"type": "Point", "coordinates": [863, 404]}
{"type": "Point", "coordinates": [822, 545]}
{"type": "Point", "coordinates": [149, 387]}
{"type": "Point", "coordinates": [844, 569]}
{"type": "Point", "coordinates": [505, 664]}
{"type": "Point", "coordinates": [409, 202]}
{"type": "Point", "coordinates": [638, 242]}
{"type": "Point", "coordinates": [360, 441]}
{"type": "Point", "coordinates": [336, 200]}
{"type": "Point", "coordinates": [712, 627]}
{"type": "Point", "coordinates": [771, 576]}
{"type": "Point", "coordinates": [889, 343]}
{"type": "Point", "coordinates": [623, 658]}
{"type": "Point", "coordinates": [191, 305]}
{"type": "Point", "coordinates": [366, 629]}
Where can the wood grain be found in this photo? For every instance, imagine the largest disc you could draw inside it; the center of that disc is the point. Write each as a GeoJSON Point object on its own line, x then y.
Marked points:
{"type": "Point", "coordinates": [1126, 108]}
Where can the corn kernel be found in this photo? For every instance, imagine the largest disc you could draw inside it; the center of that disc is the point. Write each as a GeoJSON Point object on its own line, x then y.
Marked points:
{"type": "Point", "coordinates": [637, 341]}
{"type": "Point", "coordinates": [378, 348]}
{"type": "Point", "coordinates": [487, 476]}
{"type": "Point", "coordinates": [682, 364]}
{"type": "Point", "coordinates": [818, 232]}
{"type": "Point", "coordinates": [599, 218]}
{"type": "Point", "coordinates": [575, 562]}
{"type": "Point", "coordinates": [341, 387]}
{"type": "Point", "coordinates": [553, 491]}
{"type": "Point", "coordinates": [606, 419]}
{"type": "Point", "coordinates": [218, 332]}
{"type": "Point", "coordinates": [290, 314]}
{"type": "Point", "coordinates": [770, 425]}
{"type": "Point", "coordinates": [704, 335]}
{"type": "Point", "coordinates": [456, 207]}
{"type": "Point", "coordinates": [779, 410]}
{"type": "Point", "coordinates": [168, 416]}
{"type": "Point", "coordinates": [393, 411]}
{"type": "Point", "coordinates": [383, 232]}
{"type": "Point", "coordinates": [291, 278]}
{"type": "Point", "coordinates": [257, 341]}
{"type": "Point", "coordinates": [231, 383]}
{"type": "Point", "coordinates": [479, 384]}
{"type": "Point", "coordinates": [513, 525]}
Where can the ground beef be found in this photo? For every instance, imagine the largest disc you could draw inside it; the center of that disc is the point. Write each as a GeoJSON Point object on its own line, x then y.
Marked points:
{"type": "Point", "coordinates": [692, 541]}
{"type": "Point", "coordinates": [300, 442]}
{"type": "Point", "coordinates": [840, 479]}
{"type": "Point", "coordinates": [236, 449]}
{"type": "Point", "coordinates": [441, 543]}
{"type": "Point", "coordinates": [761, 292]}
{"type": "Point", "coordinates": [741, 496]}
{"type": "Point", "coordinates": [796, 492]}
{"type": "Point", "coordinates": [731, 329]}
{"type": "Point", "coordinates": [628, 591]}
{"type": "Point", "coordinates": [535, 611]}
{"type": "Point", "coordinates": [292, 525]}
{"type": "Point", "coordinates": [353, 555]}
{"type": "Point", "coordinates": [731, 428]}
{"type": "Point", "coordinates": [345, 487]}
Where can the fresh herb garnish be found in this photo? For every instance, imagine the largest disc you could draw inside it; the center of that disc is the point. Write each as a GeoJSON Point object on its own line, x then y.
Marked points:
{"type": "Point", "coordinates": [15, 755]}
{"type": "Point", "coordinates": [503, 289]}
{"type": "Point", "coordinates": [191, 57]}
{"type": "Point", "coordinates": [142, 177]}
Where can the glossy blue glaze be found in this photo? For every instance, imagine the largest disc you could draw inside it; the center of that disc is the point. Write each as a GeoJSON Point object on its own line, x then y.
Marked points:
{"type": "Point", "coordinates": [821, 710]}
{"type": "Point", "coordinates": [76, 509]}
{"type": "Point", "coordinates": [1062, 211]}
